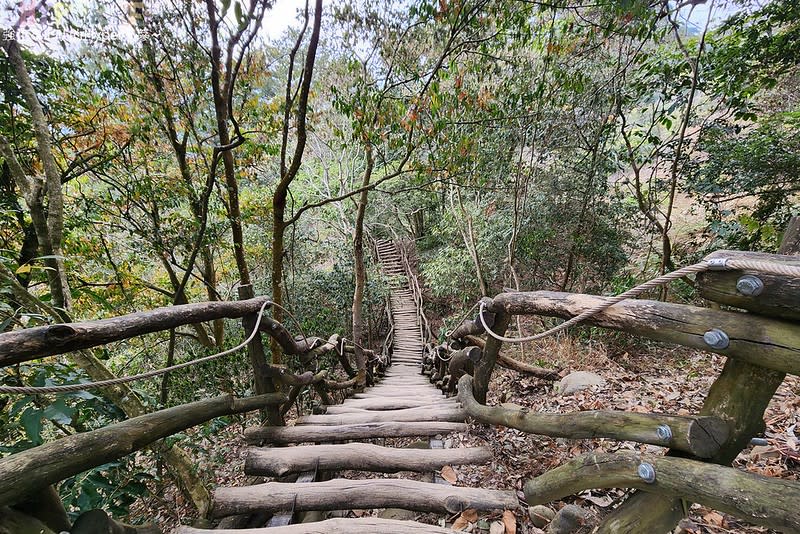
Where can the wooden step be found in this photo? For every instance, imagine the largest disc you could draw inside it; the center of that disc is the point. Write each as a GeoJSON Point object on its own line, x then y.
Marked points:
{"type": "Point", "coordinates": [453, 414]}
{"type": "Point", "coordinates": [380, 392]}
{"type": "Point", "coordinates": [452, 402]}
{"type": "Point", "coordinates": [281, 461]}
{"type": "Point", "coordinates": [341, 494]}
{"type": "Point", "coordinates": [394, 403]}
{"type": "Point", "coordinates": [326, 434]}
{"type": "Point", "coordinates": [360, 525]}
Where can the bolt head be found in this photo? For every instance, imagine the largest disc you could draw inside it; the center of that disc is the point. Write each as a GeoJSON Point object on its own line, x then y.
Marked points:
{"type": "Point", "coordinates": [646, 472]}
{"type": "Point", "coordinates": [749, 285]}
{"type": "Point", "coordinates": [664, 432]}
{"type": "Point", "coordinates": [716, 339]}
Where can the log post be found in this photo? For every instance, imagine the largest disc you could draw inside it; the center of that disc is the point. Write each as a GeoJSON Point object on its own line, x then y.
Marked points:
{"type": "Point", "coordinates": [484, 368]}
{"type": "Point", "coordinates": [462, 363]}
{"type": "Point", "coordinates": [258, 360]}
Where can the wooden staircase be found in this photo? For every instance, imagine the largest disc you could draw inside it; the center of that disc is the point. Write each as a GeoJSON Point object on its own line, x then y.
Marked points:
{"type": "Point", "coordinates": [402, 404]}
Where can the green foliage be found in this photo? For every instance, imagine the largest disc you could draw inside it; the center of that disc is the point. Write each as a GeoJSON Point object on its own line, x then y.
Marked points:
{"type": "Point", "coordinates": [748, 180]}
{"type": "Point", "coordinates": [752, 51]}
{"type": "Point", "coordinates": [32, 419]}
{"type": "Point", "coordinates": [112, 487]}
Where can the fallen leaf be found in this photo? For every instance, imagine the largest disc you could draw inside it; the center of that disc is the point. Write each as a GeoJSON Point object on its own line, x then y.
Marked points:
{"type": "Point", "coordinates": [510, 522]}
{"type": "Point", "coordinates": [760, 452]}
{"type": "Point", "coordinates": [714, 518]}
{"type": "Point", "coordinates": [467, 516]}
{"type": "Point", "coordinates": [602, 501]}
{"type": "Point", "coordinates": [497, 528]}
{"type": "Point", "coordinates": [449, 474]}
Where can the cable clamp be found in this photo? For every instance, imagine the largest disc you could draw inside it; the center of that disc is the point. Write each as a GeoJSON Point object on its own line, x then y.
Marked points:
{"type": "Point", "coordinates": [718, 264]}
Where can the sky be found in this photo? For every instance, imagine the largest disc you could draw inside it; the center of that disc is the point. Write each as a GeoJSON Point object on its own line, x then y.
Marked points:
{"type": "Point", "coordinates": [282, 15]}
{"type": "Point", "coordinates": [39, 37]}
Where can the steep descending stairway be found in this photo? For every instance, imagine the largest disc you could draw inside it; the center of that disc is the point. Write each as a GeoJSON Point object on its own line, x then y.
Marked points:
{"type": "Point", "coordinates": [403, 404]}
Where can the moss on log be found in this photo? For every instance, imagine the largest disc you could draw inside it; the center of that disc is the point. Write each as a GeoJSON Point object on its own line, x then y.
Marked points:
{"type": "Point", "coordinates": [485, 367]}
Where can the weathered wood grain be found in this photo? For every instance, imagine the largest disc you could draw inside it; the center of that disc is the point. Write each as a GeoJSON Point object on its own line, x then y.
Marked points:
{"type": "Point", "coordinates": [357, 456]}
{"type": "Point", "coordinates": [361, 525]}
{"type": "Point", "coordinates": [340, 494]}
{"type": "Point", "coordinates": [409, 414]}
{"type": "Point", "coordinates": [762, 341]}
{"type": "Point", "coordinates": [322, 434]}
{"type": "Point", "coordinates": [700, 436]}
{"type": "Point", "coordinates": [780, 296]}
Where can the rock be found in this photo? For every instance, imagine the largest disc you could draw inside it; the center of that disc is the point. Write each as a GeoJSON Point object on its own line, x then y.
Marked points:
{"type": "Point", "coordinates": [419, 444]}
{"type": "Point", "coordinates": [497, 527]}
{"type": "Point", "coordinates": [568, 520]}
{"type": "Point", "coordinates": [540, 515]}
{"type": "Point", "coordinates": [579, 380]}
{"type": "Point", "coordinates": [398, 513]}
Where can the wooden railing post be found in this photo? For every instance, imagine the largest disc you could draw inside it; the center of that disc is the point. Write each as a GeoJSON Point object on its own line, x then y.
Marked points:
{"type": "Point", "coordinates": [262, 374]}
{"type": "Point", "coordinates": [484, 368]}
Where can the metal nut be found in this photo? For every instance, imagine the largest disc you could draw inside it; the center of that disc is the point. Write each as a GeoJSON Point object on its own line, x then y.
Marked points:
{"type": "Point", "coordinates": [749, 285]}
{"type": "Point", "coordinates": [647, 472]}
{"type": "Point", "coordinates": [664, 432]}
{"type": "Point", "coordinates": [716, 339]}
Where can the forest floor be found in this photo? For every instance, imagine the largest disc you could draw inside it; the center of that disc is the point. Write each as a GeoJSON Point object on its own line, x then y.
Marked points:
{"type": "Point", "coordinates": [639, 377]}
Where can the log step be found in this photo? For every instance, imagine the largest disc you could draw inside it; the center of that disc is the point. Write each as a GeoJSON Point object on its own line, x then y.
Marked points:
{"type": "Point", "coordinates": [326, 434]}
{"type": "Point", "coordinates": [406, 415]}
{"type": "Point", "coordinates": [346, 494]}
{"type": "Point", "coordinates": [282, 461]}
{"type": "Point", "coordinates": [361, 525]}
{"type": "Point", "coordinates": [396, 403]}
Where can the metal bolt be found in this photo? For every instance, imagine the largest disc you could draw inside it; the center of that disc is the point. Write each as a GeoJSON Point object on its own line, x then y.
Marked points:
{"type": "Point", "coordinates": [749, 285]}
{"type": "Point", "coordinates": [716, 339]}
{"type": "Point", "coordinates": [647, 472]}
{"type": "Point", "coordinates": [664, 432]}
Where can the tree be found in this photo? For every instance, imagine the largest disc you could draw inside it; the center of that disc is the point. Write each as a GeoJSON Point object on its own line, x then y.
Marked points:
{"type": "Point", "coordinates": [296, 100]}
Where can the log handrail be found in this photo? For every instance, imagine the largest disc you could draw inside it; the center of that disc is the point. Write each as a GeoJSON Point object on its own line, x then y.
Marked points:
{"type": "Point", "coordinates": [762, 341]}
{"type": "Point", "coordinates": [27, 471]}
{"type": "Point", "coordinates": [31, 343]}
{"type": "Point", "coordinates": [699, 436]}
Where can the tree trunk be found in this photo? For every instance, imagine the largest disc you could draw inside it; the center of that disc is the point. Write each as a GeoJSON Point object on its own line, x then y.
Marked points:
{"type": "Point", "coordinates": [289, 172]}
{"type": "Point", "coordinates": [360, 274]}
{"type": "Point", "coordinates": [57, 276]}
